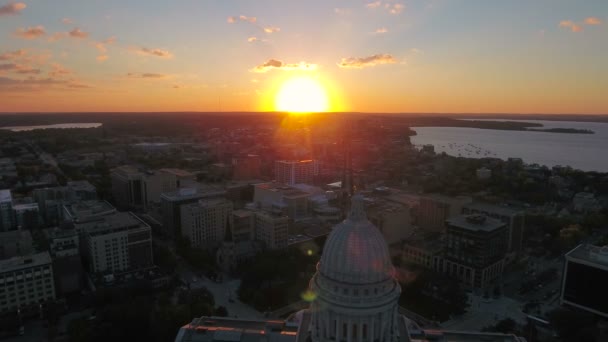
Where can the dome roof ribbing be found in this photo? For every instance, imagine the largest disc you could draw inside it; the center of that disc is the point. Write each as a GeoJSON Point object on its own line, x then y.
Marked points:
{"type": "Point", "coordinates": [356, 252]}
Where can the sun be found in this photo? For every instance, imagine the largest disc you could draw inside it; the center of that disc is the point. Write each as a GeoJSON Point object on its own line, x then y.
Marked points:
{"type": "Point", "coordinates": [301, 95]}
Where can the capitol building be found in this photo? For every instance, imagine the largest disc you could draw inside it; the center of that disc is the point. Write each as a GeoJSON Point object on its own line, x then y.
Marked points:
{"type": "Point", "coordinates": [356, 299]}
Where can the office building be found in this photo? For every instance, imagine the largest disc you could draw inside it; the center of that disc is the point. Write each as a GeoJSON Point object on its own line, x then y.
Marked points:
{"type": "Point", "coordinates": [356, 300]}
{"type": "Point", "coordinates": [27, 215]}
{"type": "Point", "coordinates": [64, 246]}
{"type": "Point", "coordinates": [15, 243]}
{"type": "Point", "coordinates": [82, 190]}
{"type": "Point", "coordinates": [243, 225]}
{"type": "Point", "coordinates": [7, 216]}
{"type": "Point", "coordinates": [292, 172]}
{"type": "Point", "coordinates": [129, 187]}
{"type": "Point", "coordinates": [277, 197]}
{"type": "Point", "coordinates": [26, 282]}
{"type": "Point", "coordinates": [433, 210]}
{"type": "Point", "coordinates": [476, 249]}
{"type": "Point", "coordinates": [245, 167]}
{"type": "Point", "coordinates": [85, 211]}
{"type": "Point", "coordinates": [271, 229]}
{"type": "Point", "coordinates": [171, 202]}
{"type": "Point", "coordinates": [115, 243]}
{"type": "Point", "coordinates": [166, 180]}
{"type": "Point", "coordinates": [513, 218]}
{"type": "Point", "coordinates": [585, 279]}
{"type": "Point", "coordinates": [205, 221]}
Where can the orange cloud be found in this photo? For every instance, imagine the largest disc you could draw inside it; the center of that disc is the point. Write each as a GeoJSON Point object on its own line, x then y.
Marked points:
{"type": "Point", "coordinates": [12, 55]}
{"type": "Point", "coordinates": [12, 8]}
{"type": "Point", "coordinates": [67, 21]}
{"type": "Point", "coordinates": [271, 29]}
{"type": "Point", "coordinates": [232, 20]}
{"type": "Point", "coordinates": [363, 62]}
{"type": "Point", "coordinates": [279, 65]}
{"type": "Point", "coordinates": [155, 52]}
{"type": "Point", "coordinates": [146, 75]}
{"type": "Point", "coordinates": [571, 25]}
{"type": "Point", "coordinates": [374, 4]}
{"type": "Point", "coordinates": [59, 70]}
{"type": "Point", "coordinates": [102, 58]}
{"type": "Point", "coordinates": [252, 39]}
{"type": "Point", "coordinates": [381, 30]}
{"type": "Point", "coordinates": [396, 8]}
{"type": "Point", "coordinates": [31, 32]}
{"type": "Point", "coordinates": [78, 33]}
{"type": "Point", "coordinates": [593, 21]}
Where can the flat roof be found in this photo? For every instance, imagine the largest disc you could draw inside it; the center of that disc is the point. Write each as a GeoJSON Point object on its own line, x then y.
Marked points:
{"type": "Point", "coordinates": [178, 172]}
{"type": "Point", "coordinates": [211, 329]}
{"type": "Point", "coordinates": [492, 208]}
{"type": "Point", "coordinates": [590, 254]}
{"type": "Point", "coordinates": [81, 185]}
{"type": "Point", "coordinates": [285, 190]}
{"type": "Point", "coordinates": [475, 222]}
{"type": "Point", "coordinates": [20, 262]}
{"type": "Point", "coordinates": [25, 206]}
{"type": "Point", "coordinates": [5, 196]}
{"type": "Point", "coordinates": [118, 221]}
{"type": "Point", "coordinates": [193, 193]}
{"type": "Point", "coordinates": [86, 209]}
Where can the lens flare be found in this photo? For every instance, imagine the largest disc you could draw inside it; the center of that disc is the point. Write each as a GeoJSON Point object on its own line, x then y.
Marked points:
{"type": "Point", "coordinates": [302, 95]}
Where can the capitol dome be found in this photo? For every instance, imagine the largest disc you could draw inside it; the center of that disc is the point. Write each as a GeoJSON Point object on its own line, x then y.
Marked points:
{"type": "Point", "coordinates": [356, 252]}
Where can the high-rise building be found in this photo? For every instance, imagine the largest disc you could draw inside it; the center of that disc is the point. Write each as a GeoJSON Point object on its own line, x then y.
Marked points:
{"type": "Point", "coordinates": [476, 249]}
{"type": "Point", "coordinates": [67, 263]}
{"type": "Point", "coordinates": [243, 228]}
{"type": "Point", "coordinates": [433, 210]}
{"type": "Point", "coordinates": [356, 299]}
{"type": "Point", "coordinates": [277, 197]}
{"type": "Point", "coordinates": [15, 243]}
{"type": "Point", "coordinates": [585, 279]}
{"type": "Point", "coordinates": [271, 229]}
{"type": "Point", "coordinates": [171, 202]}
{"type": "Point", "coordinates": [26, 282]}
{"type": "Point", "coordinates": [295, 171]}
{"type": "Point", "coordinates": [129, 187]}
{"type": "Point", "coordinates": [166, 180]}
{"type": "Point", "coordinates": [205, 221]}
{"type": "Point", "coordinates": [513, 218]}
{"type": "Point", "coordinates": [7, 216]}
{"type": "Point", "coordinates": [116, 242]}
{"type": "Point", "coordinates": [248, 166]}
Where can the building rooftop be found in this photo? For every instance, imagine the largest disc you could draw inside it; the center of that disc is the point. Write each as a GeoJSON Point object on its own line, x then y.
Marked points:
{"type": "Point", "coordinates": [116, 222]}
{"type": "Point", "coordinates": [25, 206]}
{"type": "Point", "coordinates": [5, 196]}
{"type": "Point", "coordinates": [590, 254]}
{"type": "Point", "coordinates": [498, 209]}
{"type": "Point", "coordinates": [240, 213]}
{"type": "Point", "coordinates": [88, 210]}
{"type": "Point", "coordinates": [81, 185]}
{"type": "Point", "coordinates": [20, 262]}
{"type": "Point", "coordinates": [285, 190]}
{"type": "Point", "coordinates": [178, 172]}
{"type": "Point", "coordinates": [193, 193]}
{"type": "Point", "coordinates": [210, 329]}
{"type": "Point", "coordinates": [475, 222]}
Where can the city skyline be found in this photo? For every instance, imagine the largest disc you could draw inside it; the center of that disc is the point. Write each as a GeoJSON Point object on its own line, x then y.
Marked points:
{"type": "Point", "coordinates": [366, 56]}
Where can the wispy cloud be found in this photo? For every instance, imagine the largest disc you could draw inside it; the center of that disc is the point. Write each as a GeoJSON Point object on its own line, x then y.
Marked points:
{"type": "Point", "coordinates": [12, 8]}
{"type": "Point", "coordinates": [253, 21]}
{"type": "Point", "coordinates": [342, 11]}
{"type": "Point", "coordinates": [363, 62]}
{"type": "Point", "coordinates": [78, 33]}
{"type": "Point", "coordinates": [381, 30]}
{"type": "Point", "coordinates": [374, 4]}
{"type": "Point", "coordinates": [271, 29]}
{"type": "Point", "coordinates": [67, 21]}
{"type": "Point", "coordinates": [102, 47]}
{"type": "Point", "coordinates": [252, 39]}
{"type": "Point", "coordinates": [31, 32]}
{"type": "Point", "coordinates": [574, 27]}
{"type": "Point", "coordinates": [19, 69]}
{"type": "Point", "coordinates": [12, 55]}
{"type": "Point", "coordinates": [102, 58]}
{"type": "Point", "coordinates": [272, 64]}
{"type": "Point", "coordinates": [395, 8]}
{"type": "Point", "coordinates": [593, 21]}
{"type": "Point", "coordinates": [154, 52]}
{"type": "Point", "coordinates": [58, 71]}
{"type": "Point", "coordinates": [146, 75]}
{"type": "Point", "coordinates": [232, 20]}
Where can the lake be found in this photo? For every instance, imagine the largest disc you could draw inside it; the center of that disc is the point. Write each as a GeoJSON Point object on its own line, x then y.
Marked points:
{"type": "Point", "coordinates": [63, 125]}
{"type": "Point", "coordinates": [580, 151]}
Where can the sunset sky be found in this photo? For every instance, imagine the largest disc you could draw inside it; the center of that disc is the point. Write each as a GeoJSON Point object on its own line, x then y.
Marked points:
{"type": "Point", "coordinates": [491, 56]}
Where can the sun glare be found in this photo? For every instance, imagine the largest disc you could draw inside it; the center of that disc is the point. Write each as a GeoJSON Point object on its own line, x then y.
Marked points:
{"type": "Point", "coordinates": [301, 95]}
